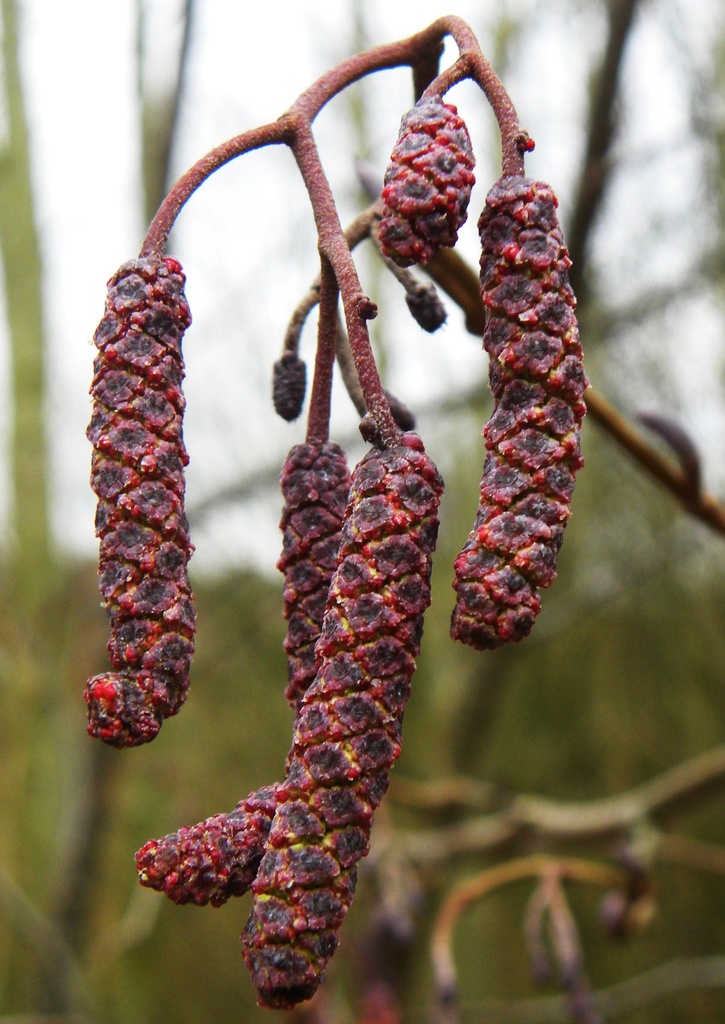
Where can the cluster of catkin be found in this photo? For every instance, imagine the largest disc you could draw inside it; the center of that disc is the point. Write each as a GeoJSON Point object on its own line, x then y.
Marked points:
{"type": "Point", "coordinates": [356, 555]}
{"type": "Point", "coordinates": [355, 625]}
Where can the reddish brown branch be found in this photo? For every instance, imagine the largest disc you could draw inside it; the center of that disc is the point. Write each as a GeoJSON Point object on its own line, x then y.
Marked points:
{"type": "Point", "coordinates": [318, 420]}
{"type": "Point", "coordinates": [420, 51]}
{"type": "Point", "coordinates": [157, 235]}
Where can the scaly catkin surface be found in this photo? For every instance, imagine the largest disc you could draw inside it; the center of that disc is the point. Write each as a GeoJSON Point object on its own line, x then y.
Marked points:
{"type": "Point", "coordinates": [137, 474]}
{"type": "Point", "coordinates": [218, 858]}
{"type": "Point", "coordinates": [427, 184]}
{"type": "Point", "coordinates": [347, 733]}
{"type": "Point", "coordinates": [315, 484]}
{"type": "Point", "coordinates": [214, 860]}
{"type": "Point", "coordinates": [532, 438]}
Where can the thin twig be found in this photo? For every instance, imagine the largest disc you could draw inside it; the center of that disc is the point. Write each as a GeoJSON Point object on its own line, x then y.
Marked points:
{"type": "Point", "coordinates": [441, 794]}
{"type": "Point", "coordinates": [417, 52]}
{"type": "Point", "coordinates": [346, 365]}
{"type": "Point", "coordinates": [319, 415]}
{"type": "Point", "coordinates": [24, 918]}
{"type": "Point", "coordinates": [677, 976]}
{"type": "Point", "coordinates": [596, 172]}
{"type": "Point", "coordinates": [355, 233]}
{"type": "Point", "coordinates": [700, 504]}
{"type": "Point", "coordinates": [357, 306]}
{"type": "Point", "coordinates": [673, 848]}
{"type": "Point", "coordinates": [474, 889]}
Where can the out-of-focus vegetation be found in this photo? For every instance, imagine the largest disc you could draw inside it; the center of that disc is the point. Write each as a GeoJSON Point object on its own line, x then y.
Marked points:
{"type": "Point", "coordinates": [620, 681]}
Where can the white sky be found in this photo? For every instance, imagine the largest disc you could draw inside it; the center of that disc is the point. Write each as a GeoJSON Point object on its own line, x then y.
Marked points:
{"type": "Point", "coordinates": [246, 241]}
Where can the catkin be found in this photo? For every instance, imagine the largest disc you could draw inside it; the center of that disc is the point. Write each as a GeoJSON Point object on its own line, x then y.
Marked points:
{"type": "Point", "coordinates": [315, 484]}
{"type": "Point", "coordinates": [214, 860]}
{"type": "Point", "coordinates": [532, 438]}
{"type": "Point", "coordinates": [428, 183]}
{"type": "Point", "coordinates": [347, 733]}
{"type": "Point", "coordinates": [137, 473]}
{"type": "Point", "coordinates": [218, 858]}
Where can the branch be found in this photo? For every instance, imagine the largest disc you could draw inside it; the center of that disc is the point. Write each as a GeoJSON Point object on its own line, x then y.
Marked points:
{"type": "Point", "coordinates": [419, 52]}
{"type": "Point", "coordinates": [673, 848]}
{"type": "Point", "coordinates": [676, 478]}
{"type": "Point", "coordinates": [677, 976]}
{"type": "Point", "coordinates": [597, 168]}
{"type": "Point", "coordinates": [319, 417]}
{"type": "Point", "coordinates": [45, 939]}
{"type": "Point", "coordinates": [442, 794]}
{"type": "Point", "coordinates": [476, 888]}
{"type": "Point", "coordinates": [528, 815]}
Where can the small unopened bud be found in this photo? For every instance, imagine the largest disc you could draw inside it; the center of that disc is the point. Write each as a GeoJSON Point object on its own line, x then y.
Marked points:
{"type": "Point", "coordinates": [426, 307]}
{"type": "Point", "coordinates": [289, 382]}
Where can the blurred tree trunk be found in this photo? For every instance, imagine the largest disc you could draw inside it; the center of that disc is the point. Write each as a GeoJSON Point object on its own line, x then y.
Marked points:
{"type": "Point", "coordinates": [29, 551]}
{"type": "Point", "coordinates": [160, 115]}
{"type": "Point", "coordinates": [31, 573]}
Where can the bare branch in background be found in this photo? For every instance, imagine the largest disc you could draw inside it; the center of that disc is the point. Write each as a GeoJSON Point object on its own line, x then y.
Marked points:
{"type": "Point", "coordinates": [528, 816]}
{"type": "Point", "coordinates": [678, 976]}
{"type": "Point", "coordinates": [597, 168]}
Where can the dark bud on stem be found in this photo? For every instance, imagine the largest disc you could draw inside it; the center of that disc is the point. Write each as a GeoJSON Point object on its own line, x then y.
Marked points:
{"type": "Point", "coordinates": [426, 307]}
{"type": "Point", "coordinates": [289, 382]}
{"type": "Point", "coordinates": [681, 443]}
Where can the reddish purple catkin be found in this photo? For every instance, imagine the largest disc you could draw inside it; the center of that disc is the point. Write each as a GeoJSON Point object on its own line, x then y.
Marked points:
{"type": "Point", "coordinates": [532, 438]}
{"type": "Point", "coordinates": [427, 184]}
{"type": "Point", "coordinates": [137, 473]}
{"type": "Point", "coordinates": [347, 733]}
{"type": "Point", "coordinates": [214, 860]}
{"type": "Point", "coordinates": [315, 483]}
{"type": "Point", "coordinates": [218, 858]}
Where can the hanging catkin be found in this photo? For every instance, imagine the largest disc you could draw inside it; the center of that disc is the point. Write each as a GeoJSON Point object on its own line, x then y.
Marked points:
{"type": "Point", "coordinates": [218, 858]}
{"type": "Point", "coordinates": [347, 733]}
{"type": "Point", "coordinates": [137, 474]}
{"type": "Point", "coordinates": [532, 438]}
{"type": "Point", "coordinates": [315, 484]}
{"type": "Point", "coordinates": [427, 184]}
